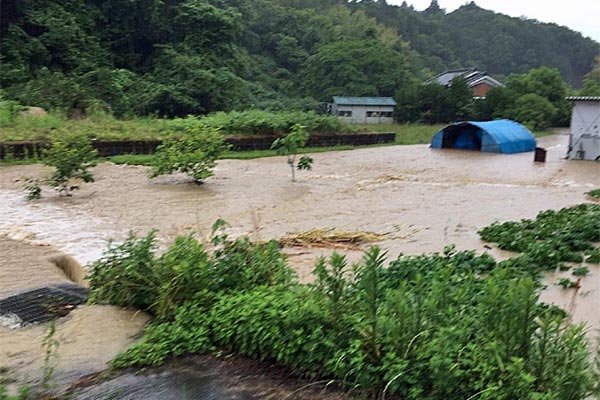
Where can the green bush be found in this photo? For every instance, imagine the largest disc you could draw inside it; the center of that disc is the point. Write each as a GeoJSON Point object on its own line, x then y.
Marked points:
{"type": "Point", "coordinates": [452, 325]}
{"type": "Point", "coordinates": [259, 122]}
{"type": "Point", "coordinates": [130, 274]}
{"type": "Point", "coordinates": [125, 275]}
{"type": "Point", "coordinates": [9, 110]}
{"type": "Point", "coordinates": [534, 111]}
{"type": "Point", "coordinates": [193, 153]}
{"type": "Point", "coordinates": [71, 155]}
{"type": "Point", "coordinates": [553, 238]}
{"type": "Point", "coordinates": [289, 146]}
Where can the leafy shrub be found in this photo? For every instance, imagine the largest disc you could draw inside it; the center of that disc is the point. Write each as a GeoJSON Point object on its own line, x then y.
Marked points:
{"type": "Point", "coordinates": [33, 189]}
{"type": "Point", "coordinates": [455, 325]}
{"type": "Point", "coordinates": [8, 111]}
{"type": "Point", "coordinates": [581, 271]}
{"type": "Point", "coordinates": [71, 155]}
{"type": "Point", "coordinates": [552, 238]}
{"type": "Point", "coordinates": [593, 256]}
{"type": "Point", "coordinates": [126, 274]}
{"type": "Point", "coordinates": [189, 333]}
{"type": "Point", "coordinates": [534, 111]}
{"type": "Point", "coordinates": [288, 325]}
{"type": "Point", "coordinates": [259, 122]}
{"type": "Point", "coordinates": [289, 146]}
{"type": "Point", "coordinates": [130, 274]}
{"type": "Point", "coordinates": [193, 153]}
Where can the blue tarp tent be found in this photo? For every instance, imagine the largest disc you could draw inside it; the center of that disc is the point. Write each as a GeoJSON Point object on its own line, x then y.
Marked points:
{"type": "Point", "coordinates": [501, 136]}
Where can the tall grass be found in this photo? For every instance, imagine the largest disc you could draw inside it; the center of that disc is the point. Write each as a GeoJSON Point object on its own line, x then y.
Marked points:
{"type": "Point", "coordinates": [105, 127]}
{"type": "Point", "coordinates": [101, 126]}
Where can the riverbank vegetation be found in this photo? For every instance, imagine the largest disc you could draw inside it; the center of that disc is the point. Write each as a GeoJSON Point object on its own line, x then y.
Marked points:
{"type": "Point", "coordinates": [101, 126]}
{"type": "Point", "coordinates": [553, 238]}
{"type": "Point", "coordinates": [438, 326]}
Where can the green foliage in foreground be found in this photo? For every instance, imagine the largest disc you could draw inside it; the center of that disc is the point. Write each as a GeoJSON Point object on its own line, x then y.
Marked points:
{"type": "Point", "coordinates": [426, 327]}
{"type": "Point", "coordinates": [194, 154]}
{"type": "Point", "coordinates": [130, 274]}
{"type": "Point", "coordinates": [24, 393]}
{"type": "Point", "coordinates": [553, 238]}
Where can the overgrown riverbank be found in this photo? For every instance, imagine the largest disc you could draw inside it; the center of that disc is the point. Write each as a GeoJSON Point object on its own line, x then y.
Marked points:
{"type": "Point", "coordinates": [435, 326]}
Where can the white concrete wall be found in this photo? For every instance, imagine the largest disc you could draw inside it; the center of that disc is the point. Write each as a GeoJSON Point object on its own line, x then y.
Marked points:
{"type": "Point", "coordinates": [359, 114]}
{"type": "Point", "coordinates": [585, 131]}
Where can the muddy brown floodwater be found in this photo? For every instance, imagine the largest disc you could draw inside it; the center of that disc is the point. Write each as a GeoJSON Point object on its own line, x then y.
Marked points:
{"type": "Point", "coordinates": [422, 199]}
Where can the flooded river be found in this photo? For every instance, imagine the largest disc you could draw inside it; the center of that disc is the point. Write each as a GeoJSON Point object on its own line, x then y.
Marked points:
{"type": "Point", "coordinates": [422, 199]}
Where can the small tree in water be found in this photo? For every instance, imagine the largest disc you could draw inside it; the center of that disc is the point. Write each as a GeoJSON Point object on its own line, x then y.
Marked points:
{"type": "Point", "coordinates": [193, 154]}
{"type": "Point", "coordinates": [71, 155]}
{"type": "Point", "coordinates": [289, 146]}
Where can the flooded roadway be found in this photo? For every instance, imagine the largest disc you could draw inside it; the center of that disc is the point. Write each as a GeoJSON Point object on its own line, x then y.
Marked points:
{"type": "Point", "coordinates": [422, 198]}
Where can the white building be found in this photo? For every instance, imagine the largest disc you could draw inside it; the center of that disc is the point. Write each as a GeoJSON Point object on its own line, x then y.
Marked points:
{"type": "Point", "coordinates": [364, 110]}
{"type": "Point", "coordinates": [584, 143]}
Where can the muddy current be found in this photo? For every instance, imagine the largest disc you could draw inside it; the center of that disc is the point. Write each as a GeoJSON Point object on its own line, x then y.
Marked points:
{"type": "Point", "coordinates": [422, 199]}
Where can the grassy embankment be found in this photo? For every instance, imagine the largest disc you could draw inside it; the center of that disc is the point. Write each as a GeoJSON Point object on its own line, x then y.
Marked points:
{"type": "Point", "coordinates": [107, 128]}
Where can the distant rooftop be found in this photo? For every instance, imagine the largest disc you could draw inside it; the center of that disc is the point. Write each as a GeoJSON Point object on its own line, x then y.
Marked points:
{"type": "Point", "coordinates": [471, 75]}
{"type": "Point", "coordinates": [583, 98]}
{"type": "Point", "coordinates": [364, 101]}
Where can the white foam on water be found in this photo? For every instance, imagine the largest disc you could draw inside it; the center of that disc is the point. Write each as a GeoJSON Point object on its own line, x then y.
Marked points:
{"type": "Point", "coordinates": [11, 321]}
{"type": "Point", "coordinates": [71, 231]}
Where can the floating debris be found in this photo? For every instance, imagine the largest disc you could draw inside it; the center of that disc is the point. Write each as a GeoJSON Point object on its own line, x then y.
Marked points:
{"type": "Point", "coordinates": [331, 237]}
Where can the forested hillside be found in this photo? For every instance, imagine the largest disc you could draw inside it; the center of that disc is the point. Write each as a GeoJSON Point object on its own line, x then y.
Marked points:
{"type": "Point", "coordinates": [496, 43]}
{"type": "Point", "coordinates": [180, 57]}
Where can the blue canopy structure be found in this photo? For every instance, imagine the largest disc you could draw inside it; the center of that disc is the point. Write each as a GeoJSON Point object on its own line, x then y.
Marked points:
{"type": "Point", "coordinates": [501, 136]}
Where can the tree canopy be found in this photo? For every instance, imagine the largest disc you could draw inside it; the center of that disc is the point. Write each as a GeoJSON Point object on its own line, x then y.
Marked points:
{"type": "Point", "coordinates": [198, 56]}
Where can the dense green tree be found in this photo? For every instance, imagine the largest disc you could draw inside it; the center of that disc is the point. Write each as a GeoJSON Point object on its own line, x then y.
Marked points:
{"type": "Point", "coordinates": [181, 57]}
{"type": "Point", "coordinates": [496, 104]}
{"type": "Point", "coordinates": [472, 36]}
{"type": "Point", "coordinates": [591, 82]}
{"type": "Point", "coordinates": [534, 111]}
{"type": "Point", "coordinates": [546, 83]}
{"type": "Point", "coordinates": [356, 68]}
{"type": "Point", "coordinates": [434, 104]}
{"type": "Point", "coordinates": [460, 99]}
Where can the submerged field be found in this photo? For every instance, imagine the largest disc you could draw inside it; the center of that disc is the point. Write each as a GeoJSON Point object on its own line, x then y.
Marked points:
{"type": "Point", "coordinates": [415, 200]}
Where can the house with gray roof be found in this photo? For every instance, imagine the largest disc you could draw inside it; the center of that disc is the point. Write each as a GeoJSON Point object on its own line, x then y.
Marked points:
{"type": "Point", "coordinates": [364, 110]}
{"type": "Point", "coordinates": [478, 81]}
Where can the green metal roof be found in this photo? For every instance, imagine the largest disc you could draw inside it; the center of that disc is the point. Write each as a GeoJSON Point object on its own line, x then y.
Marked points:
{"type": "Point", "coordinates": [364, 101]}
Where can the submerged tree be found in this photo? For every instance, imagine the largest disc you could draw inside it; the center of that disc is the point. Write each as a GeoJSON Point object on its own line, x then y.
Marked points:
{"type": "Point", "coordinates": [71, 156]}
{"type": "Point", "coordinates": [289, 146]}
{"type": "Point", "coordinates": [193, 154]}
